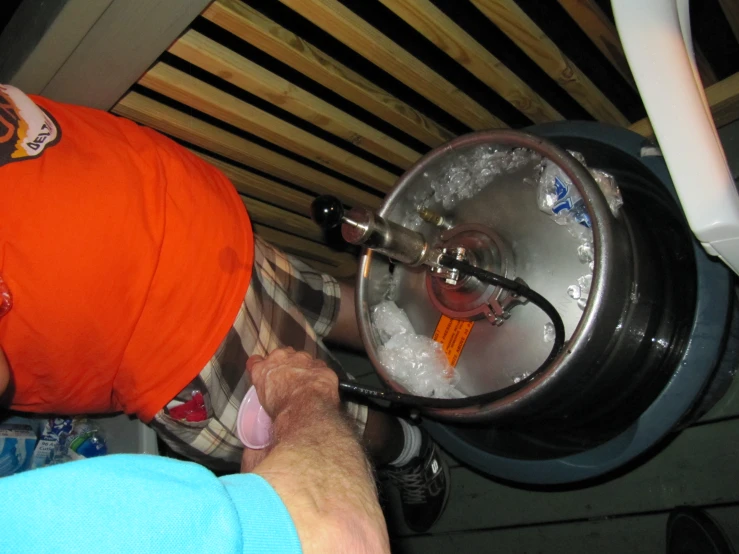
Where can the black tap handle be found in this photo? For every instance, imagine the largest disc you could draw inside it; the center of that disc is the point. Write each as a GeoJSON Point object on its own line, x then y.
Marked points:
{"type": "Point", "coordinates": [327, 211]}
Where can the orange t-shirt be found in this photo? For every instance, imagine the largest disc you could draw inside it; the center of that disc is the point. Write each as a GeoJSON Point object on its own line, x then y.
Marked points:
{"type": "Point", "coordinates": [127, 258]}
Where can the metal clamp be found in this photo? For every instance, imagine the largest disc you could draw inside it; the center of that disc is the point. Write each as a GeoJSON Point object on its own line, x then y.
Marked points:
{"type": "Point", "coordinates": [500, 310]}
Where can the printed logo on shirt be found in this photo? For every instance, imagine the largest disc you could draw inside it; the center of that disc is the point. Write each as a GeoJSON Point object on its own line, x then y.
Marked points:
{"type": "Point", "coordinates": [26, 130]}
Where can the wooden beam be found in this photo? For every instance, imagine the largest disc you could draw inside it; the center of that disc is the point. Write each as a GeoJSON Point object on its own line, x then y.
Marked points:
{"type": "Point", "coordinates": [208, 99]}
{"type": "Point", "coordinates": [338, 264]}
{"type": "Point", "coordinates": [731, 11]}
{"type": "Point", "coordinates": [594, 23]}
{"type": "Point", "coordinates": [344, 25]}
{"type": "Point", "coordinates": [273, 216]}
{"type": "Point", "coordinates": [520, 28]}
{"type": "Point", "coordinates": [245, 74]}
{"type": "Point", "coordinates": [190, 129]}
{"type": "Point", "coordinates": [591, 19]}
{"type": "Point", "coordinates": [643, 127]}
{"type": "Point", "coordinates": [723, 99]}
{"type": "Point", "coordinates": [261, 188]}
{"type": "Point", "coordinates": [263, 33]}
{"type": "Point", "coordinates": [449, 37]}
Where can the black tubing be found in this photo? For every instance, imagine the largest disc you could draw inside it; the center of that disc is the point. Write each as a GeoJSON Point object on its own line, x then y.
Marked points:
{"type": "Point", "coordinates": [516, 288]}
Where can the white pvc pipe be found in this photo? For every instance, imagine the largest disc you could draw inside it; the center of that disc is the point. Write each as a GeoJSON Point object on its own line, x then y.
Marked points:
{"type": "Point", "coordinates": [656, 39]}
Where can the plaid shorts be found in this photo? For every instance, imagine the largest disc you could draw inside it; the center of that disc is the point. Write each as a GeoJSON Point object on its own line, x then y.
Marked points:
{"type": "Point", "coordinates": [287, 304]}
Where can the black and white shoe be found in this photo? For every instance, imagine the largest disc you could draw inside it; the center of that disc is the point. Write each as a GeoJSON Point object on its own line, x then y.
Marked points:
{"type": "Point", "coordinates": [423, 484]}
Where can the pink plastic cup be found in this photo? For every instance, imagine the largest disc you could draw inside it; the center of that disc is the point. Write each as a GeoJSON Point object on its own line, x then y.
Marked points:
{"type": "Point", "coordinates": [253, 423]}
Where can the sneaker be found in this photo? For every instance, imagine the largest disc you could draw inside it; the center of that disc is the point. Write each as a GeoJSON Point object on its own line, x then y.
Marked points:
{"type": "Point", "coordinates": [423, 484]}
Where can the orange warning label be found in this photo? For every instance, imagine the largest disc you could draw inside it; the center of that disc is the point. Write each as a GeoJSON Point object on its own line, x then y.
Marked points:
{"type": "Point", "coordinates": [452, 335]}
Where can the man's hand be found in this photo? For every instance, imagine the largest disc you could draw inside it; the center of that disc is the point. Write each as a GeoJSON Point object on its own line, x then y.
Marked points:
{"type": "Point", "coordinates": [316, 464]}
{"type": "Point", "coordinates": [285, 375]}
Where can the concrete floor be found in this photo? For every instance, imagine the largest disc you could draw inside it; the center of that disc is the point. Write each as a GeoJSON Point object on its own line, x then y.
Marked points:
{"type": "Point", "coordinates": [628, 514]}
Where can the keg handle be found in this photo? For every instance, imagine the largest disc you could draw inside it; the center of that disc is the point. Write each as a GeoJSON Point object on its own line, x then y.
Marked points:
{"type": "Point", "coordinates": [363, 227]}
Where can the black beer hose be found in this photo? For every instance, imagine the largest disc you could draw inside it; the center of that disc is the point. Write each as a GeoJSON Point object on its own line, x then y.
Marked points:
{"type": "Point", "coordinates": [518, 289]}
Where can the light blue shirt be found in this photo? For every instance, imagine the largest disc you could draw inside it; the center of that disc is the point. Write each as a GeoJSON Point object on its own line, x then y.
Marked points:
{"type": "Point", "coordinates": [136, 503]}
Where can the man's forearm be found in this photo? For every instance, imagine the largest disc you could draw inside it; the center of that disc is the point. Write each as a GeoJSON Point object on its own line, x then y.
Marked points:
{"type": "Point", "coordinates": [323, 476]}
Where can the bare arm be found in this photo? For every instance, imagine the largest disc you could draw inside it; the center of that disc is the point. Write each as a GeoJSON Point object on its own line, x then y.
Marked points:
{"type": "Point", "coordinates": [317, 466]}
{"type": "Point", "coordinates": [345, 331]}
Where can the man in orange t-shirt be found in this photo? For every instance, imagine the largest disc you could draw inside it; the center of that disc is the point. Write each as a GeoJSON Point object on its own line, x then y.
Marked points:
{"type": "Point", "coordinates": [130, 281]}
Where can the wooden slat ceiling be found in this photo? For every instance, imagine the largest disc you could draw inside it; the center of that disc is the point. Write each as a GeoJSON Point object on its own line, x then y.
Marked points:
{"type": "Point", "coordinates": [298, 98]}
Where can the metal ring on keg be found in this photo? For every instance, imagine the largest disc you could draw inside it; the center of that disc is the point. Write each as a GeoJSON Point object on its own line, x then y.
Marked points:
{"type": "Point", "coordinates": [605, 298]}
